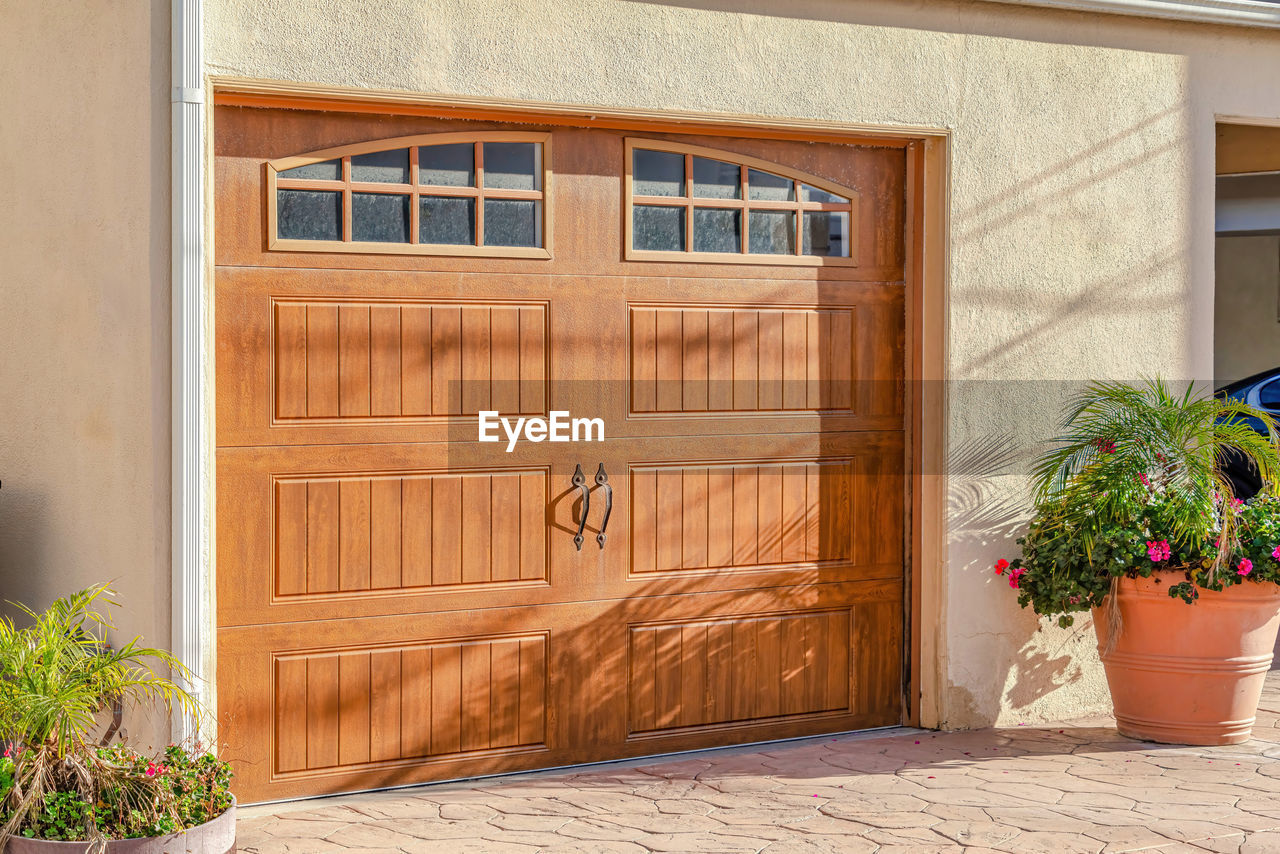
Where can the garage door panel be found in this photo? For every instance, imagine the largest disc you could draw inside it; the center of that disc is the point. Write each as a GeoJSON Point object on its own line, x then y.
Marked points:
{"type": "Point", "coordinates": [760, 522]}
{"type": "Point", "coordinates": [771, 511]}
{"type": "Point", "coordinates": [399, 602]}
{"type": "Point", "coordinates": [692, 360]}
{"type": "Point", "coordinates": [410, 701]}
{"type": "Point", "coordinates": [314, 358]}
{"type": "Point", "coordinates": [423, 359]}
{"type": "Point", "coordinates": [731, 669]}
{"type": "Point", "coordinates": [740, 515]}
{"type": "Point", "coordinates": [698, 359]}
{"type": "Point", "coordinates": [352, 543]}
{"type": "Point", "coordinates": [437, 696]}
{"type": "Point", "coordinates": [719, 661]}
{"type": "Point", "coordinates": [355, 533]}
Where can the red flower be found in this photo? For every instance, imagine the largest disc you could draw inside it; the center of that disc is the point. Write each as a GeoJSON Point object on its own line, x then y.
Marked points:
{"type": "Point", "coordinates": [1001, 566]}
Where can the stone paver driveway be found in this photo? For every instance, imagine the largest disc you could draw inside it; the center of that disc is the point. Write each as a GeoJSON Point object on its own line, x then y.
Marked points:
{"type": "Point", "coordinates": [1068, 788]}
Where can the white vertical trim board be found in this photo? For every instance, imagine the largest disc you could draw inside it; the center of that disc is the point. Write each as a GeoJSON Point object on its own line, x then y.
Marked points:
{"type": "Point", "coordinates": [190, 577]}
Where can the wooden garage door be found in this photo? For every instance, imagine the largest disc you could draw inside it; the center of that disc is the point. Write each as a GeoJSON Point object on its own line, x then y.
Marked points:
{"type": "Point", "coordinates": [398, 602]}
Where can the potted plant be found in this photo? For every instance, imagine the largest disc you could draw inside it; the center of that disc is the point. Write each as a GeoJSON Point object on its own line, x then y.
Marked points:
{"type": "Point", "coordinates": [65, 789]}
{"type": "Point", "coordinates": [1136, 521]}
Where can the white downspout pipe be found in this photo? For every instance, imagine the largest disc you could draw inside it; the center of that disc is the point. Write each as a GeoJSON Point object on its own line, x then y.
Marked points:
{"type": "Point", "coordinates": [189, 577]}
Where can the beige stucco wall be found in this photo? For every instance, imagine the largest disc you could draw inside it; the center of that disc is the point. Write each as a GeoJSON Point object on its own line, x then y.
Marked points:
{"type": "Point", "coordinates": [1246, 306]}
{"type": "Point", "coordinates": [84, 308]}
{"type": "Point", "coordinates": [1081, 215]}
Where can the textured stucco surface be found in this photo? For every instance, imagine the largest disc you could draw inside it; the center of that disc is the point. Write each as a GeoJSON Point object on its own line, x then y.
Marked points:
{"type": "Point", "coordinates": [1081, 216]}
{"type": "Point", "coordinates": [84, 308]}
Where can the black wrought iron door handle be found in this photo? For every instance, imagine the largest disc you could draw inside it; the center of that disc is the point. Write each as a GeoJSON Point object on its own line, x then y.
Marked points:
{"type": "Point", "coordinates": [602, 479]}
{"type": "Point", "coordinates": [580, 480]}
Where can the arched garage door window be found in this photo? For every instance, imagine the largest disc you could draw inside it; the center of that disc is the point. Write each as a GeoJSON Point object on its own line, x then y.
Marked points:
{"type": "Point", "coordinates": [435, 194]}
{"type": "Point", "coordinates": [688, 203]}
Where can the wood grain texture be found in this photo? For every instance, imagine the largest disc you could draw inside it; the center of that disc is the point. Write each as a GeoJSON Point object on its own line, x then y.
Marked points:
{"type": "Point", "coordinates": [410, 701]}
{"type": "Point", "coordinates": [349, 360]}
{"type": "Point", "coordinates": [700, 517]}
{"type": "Point", "coordinates": [705, 672]}
{"type": "Point", "coordinates": [694, 360]}
{"type": "Point", "coordinates": [393, 610]}
{"type": "Point", "coordinates": [344, 535]}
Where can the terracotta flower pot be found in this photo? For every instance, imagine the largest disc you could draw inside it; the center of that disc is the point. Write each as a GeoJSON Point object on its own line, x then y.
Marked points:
{"type": "Point", "coordinates": [1189, 674]}
{"type": "Point", "coordinates": [212, 837]}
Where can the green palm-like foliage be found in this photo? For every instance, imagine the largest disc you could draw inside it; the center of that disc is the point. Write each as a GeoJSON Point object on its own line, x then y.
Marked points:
{"type": "Point", "coordinates": [58, 675]}
{"type": "Point", "coordinates": [56, 678]}
{"type": "Point", "coordinates": [1117, 435]}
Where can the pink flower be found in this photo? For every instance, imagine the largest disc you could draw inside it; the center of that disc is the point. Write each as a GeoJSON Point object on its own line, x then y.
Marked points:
{"type": "Point", "coordinates": [1275, 553]}
{"type": "Point", "coordinates": [1002, 565]}
{"type": "Point", "coordinates": [1158, 550]}
{"type": "Point", "coordinates": [1237, 504]}
{"type": "Point", "coordinates": [1014, 575]}
{"type": "Point", "coordinates": [1146, 481]}
{"type": "Point", "coordinates": [152, 769]}
{"type": "Point", "coordinates": [1246, 567]}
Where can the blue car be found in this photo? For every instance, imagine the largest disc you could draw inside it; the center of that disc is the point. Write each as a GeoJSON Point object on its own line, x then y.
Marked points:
{"type": "Point", "coordinates": [1263, 391]}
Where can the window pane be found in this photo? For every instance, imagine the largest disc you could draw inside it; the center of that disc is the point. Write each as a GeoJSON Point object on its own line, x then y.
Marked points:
{"type": "Point", "coordinates": [308, 215]}
{"type": "Point", "coordinates": [512, 222]}
{"type": "Point", "coordinates": [658, 229]}
{"type": "Point", "coordinates": [511, 166]}
{"type": "Point", "coordinates": [717, 230]}
{"type": "Point", "coordinates": [447, 165]}
{"type": "Point", "coordinates": [813, 194]}
{"type": "Point", "coordinates": [329, 170]}
{"type": "Point", "coordinates": [715, 179]}
{"type": "Point", "coordinates": [388, 167]}
{"type": "Point", "coordinates": [657, 173]}
{"type": "Point", "coordinates": [772, 232]}
{"type": "Point", "coordinates": [446, 219]}
{"type": "Point", "coordinates": [380, 217]}
{"type": "Point", "coordinates": [825, 233]}
{"type": "Point", "coordinates": [769, 187]}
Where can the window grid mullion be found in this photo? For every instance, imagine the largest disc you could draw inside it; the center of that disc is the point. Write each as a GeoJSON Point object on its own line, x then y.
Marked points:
{"type": "Point", "coordinates": [798, 217]}
{"type": "Point", "coordinates": [479, 158]}
{"type": "Point", "coordinates": [744, 191]}
{"type": "Point", "coordinates": [414, 211]}
{"type": "Point", "coordinates": [688, 203]}
{"type": "Point", "coordinates": [346, 199]}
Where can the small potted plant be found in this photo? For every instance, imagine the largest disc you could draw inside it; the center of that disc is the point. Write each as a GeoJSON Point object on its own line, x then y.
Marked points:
{"type": "Point", "coordinates": [66, 789]}
{"type": "Point", "coordinates": [1136, 521]}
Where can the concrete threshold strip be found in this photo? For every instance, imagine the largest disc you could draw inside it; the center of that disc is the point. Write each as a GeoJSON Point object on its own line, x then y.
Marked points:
{"type": "Point", "coordinates": [261, 808]}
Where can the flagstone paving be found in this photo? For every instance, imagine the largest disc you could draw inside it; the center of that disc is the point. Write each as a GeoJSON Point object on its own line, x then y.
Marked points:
{"type": "Point", "coordinates": [1077, 787]}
